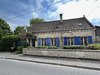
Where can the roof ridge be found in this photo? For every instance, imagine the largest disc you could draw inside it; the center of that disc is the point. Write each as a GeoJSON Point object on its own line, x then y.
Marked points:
{"type": "Point", "coordinates": [59, 20]}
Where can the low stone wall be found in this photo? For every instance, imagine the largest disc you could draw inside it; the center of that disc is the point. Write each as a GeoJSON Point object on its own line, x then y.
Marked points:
{"type": "Point", "coordinates": [98, 39]}
{"type": "Point", "coordinates": [71, 53]}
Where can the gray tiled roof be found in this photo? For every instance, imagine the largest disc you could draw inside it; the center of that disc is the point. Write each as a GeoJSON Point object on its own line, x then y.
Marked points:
{"type": "Point", "coordinates": [71, 24]}
{"type": "Point", "coordinates": [97, 31]}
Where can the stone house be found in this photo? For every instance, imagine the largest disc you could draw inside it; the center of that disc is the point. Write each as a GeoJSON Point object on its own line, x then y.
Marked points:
{"type": "Point", "coordinates": [77, 31]}
{"type": "Point", "coordinates": [97, 33]}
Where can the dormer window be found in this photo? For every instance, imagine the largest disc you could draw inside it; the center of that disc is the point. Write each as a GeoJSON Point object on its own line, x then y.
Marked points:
{"type": "Point", "coordinates": [57, 27]}
{"type": "Point", "coordinates": [79, 24]}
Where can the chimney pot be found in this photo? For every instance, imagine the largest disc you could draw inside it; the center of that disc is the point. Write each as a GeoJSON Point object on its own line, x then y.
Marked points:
{"type": "Point", "coordinates": [61, 17]}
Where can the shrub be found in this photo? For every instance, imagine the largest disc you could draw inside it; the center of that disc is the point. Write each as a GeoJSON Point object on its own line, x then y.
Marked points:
{"type": "Point", "coordinates": [74, 47]}
{"type": "Point", "coordinates": [9, 40]}
{"type": "Point", "coordinates": [20, 50]}
{"type": "Point", "coordinates": [25, 44]}
{"type": "Point", "coordinates": [52, 47]}
{"type": "Point", "coordinates": [42, 47]}
{"type": "Point", "coordinates": [48, 47]}
{"type": "Point", "coordinates": [2, 46]}
{"type": "Point", "coordinates": [93, 46]}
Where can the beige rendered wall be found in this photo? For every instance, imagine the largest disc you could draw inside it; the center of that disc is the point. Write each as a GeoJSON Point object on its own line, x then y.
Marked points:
{"type": "Point", "coordinates": [82, 33]}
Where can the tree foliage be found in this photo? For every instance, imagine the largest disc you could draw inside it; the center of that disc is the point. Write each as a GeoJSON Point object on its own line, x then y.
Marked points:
{"type": "Point", "coordinates": [29, 35]}
{"type": "Point", "coordinates": [20, 30]}
{"type": "Point", "coordinates": [4, 26]}
{"type": "Point", "coordinates": [27, 28]}
{"type": "Point", "coordinates": [36, 20]}
{"type": "Point", "coordinates": [1, 34]}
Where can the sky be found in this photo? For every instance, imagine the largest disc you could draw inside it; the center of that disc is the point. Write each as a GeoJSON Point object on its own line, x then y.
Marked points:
{"type": "Point", "coordinates": [19, 12]}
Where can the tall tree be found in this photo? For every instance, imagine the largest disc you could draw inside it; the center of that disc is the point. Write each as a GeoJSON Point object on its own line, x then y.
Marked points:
{"type": "Point", "coordinates": [4, 26]}
{"type": "Point", "coordinates": [20, 30]}
{"type": "Point", "coordinates": [36, 20]}
{"type": "Point", "coordinates": [1, 34]}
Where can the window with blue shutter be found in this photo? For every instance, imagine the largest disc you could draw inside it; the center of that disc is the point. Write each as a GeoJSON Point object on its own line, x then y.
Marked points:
{"type": "Point", "coordinates": [57, 41]}
{"type": "Point", "coordinates": [90, 39]}
{"type": "Point", "coordinates": [65, 41]}
{"type": "Point", "coordinates": [77, 40]}
{"type": "Point", "coordinates": [46, 41]}
{"type": "Point", "coordinates": [49, 42]}
{"type": "Point", "coordinates": [39, 42]}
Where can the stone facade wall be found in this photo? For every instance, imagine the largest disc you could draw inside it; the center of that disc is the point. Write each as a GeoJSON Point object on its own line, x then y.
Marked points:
{"type": "Point", "coordinates": [85, 54]}
{"type": "Point", "coordinates": [97, 39]}
{"type": "Point", "coordinates": [82, 33]}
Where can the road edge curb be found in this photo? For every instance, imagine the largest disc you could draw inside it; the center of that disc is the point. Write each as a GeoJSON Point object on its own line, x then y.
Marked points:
{"type": "Point", "coordinates": [75, 66]}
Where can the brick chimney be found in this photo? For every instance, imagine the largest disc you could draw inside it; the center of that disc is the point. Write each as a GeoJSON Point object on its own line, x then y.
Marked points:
{"type": "Point", "coordinates": [61, 17]}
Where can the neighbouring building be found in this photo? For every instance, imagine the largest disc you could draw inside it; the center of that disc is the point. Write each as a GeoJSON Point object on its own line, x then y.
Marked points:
{"type": "Point", "coordinates": [97, 33]}
{"type": "Point", "coordinates": [77, 31]}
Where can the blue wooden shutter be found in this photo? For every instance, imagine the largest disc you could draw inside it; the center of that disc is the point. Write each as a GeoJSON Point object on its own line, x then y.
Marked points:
{"type": "Point", "coordinates": [46, 41]}
{"type": "Point", "coordinates": [49, 42]}
{"type": "Point", "coordinates": [77, 40]}
{"type": "Point", "coordinates": [65, 40]}
{"type": "Point", "coordinates": [39, 42]}
{"type": "Point", "coordinates": [90, 39]}
{"type": "Point", "coordinates": [57, 41]}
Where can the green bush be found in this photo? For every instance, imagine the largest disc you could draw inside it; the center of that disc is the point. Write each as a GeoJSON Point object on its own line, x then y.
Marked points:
{"type": "Point", "coordinates": [9, 40]}
{"type": "Point", "coordinates": [74, 47]}
{"type": "Point", "coordinates": [52, 47]}
{"type": "Point", "coordinates": [93, 46]}
{"type": "Point", "coordinates": [2, 46]}
{"type": "Point", "coordinates": [25, 44]}
{"type": "Point", "coordinates": [20, 50]}
{"type": "Point", "coordinates": [42, 47]}
{"type": "Point", "coordinates": [48, 47]}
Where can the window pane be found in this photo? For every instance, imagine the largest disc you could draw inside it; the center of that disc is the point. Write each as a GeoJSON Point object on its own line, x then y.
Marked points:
{"type": "Point", "coordinates": [68, 41]}
{"type": "Point", "coordinates": [71, 41]}
{"type": "Point", "coordinates": [42, 41]}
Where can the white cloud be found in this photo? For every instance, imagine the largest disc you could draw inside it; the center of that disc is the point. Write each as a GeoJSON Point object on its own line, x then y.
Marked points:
{"type": "Point", "coordinates": [35, 15]}
{"type": "Point", "coordinates": [74, 9]}
{"type": "Point", "coordinates": [12, 26]}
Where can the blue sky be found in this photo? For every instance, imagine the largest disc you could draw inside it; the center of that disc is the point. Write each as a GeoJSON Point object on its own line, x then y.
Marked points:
{"type": "Point", "coordinates": [10, 9]}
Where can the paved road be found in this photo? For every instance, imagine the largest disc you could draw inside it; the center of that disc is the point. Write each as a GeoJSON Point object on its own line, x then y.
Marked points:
{"type": "Point", "coordinates": [5, 54]}
{"type": "Point", "coordinates": [14, 67]}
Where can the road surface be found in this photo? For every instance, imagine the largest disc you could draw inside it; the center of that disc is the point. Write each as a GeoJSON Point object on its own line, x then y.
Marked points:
{"type": "Point", "coordinates": [14, 67]}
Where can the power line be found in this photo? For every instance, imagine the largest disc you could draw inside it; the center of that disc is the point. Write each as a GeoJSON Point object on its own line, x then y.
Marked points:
{"type": "Point", "coordinates": [32, 11]}
{"type": "Point", "coordinates": [17, 11]}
